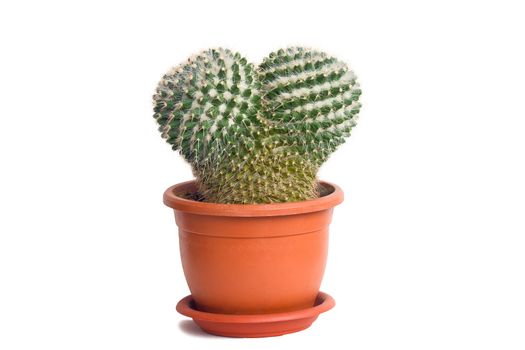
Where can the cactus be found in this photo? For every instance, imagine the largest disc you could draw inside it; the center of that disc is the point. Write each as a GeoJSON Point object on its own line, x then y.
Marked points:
{"type": "Point", "coordinates": [257, 135]}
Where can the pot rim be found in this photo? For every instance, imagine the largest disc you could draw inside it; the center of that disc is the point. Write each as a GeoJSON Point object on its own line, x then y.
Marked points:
{"type": "Point", "coordinates": [172, 200]}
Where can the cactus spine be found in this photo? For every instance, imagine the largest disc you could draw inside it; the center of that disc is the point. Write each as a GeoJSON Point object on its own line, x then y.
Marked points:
{"type": "Point", "coordinates": [257, 135]}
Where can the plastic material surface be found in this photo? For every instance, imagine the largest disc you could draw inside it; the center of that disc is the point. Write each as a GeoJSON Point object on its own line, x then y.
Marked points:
{"type": "Point", "coordinates": [256, 326]}
{"type": "Point", "coordinates": [253, 259]}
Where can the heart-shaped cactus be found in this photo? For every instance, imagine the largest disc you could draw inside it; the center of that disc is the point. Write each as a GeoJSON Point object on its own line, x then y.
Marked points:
{"type": "Point", "coordinates": [257, 135]}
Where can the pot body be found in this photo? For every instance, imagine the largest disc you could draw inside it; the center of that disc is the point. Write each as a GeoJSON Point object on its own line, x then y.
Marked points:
{"type": "Point", "coordinates": [253, 259]}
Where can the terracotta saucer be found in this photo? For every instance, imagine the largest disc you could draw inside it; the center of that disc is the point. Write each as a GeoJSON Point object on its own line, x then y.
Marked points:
{"type": "Point", "coordinates": [255, 326]}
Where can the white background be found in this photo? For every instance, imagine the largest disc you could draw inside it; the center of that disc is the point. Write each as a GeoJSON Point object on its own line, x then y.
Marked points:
{"type": "Point", "coordinates": [427, 251]}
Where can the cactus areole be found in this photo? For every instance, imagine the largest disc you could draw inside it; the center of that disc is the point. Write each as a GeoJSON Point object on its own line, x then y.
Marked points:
{"type": "Point", "coordinates": [257, 134]}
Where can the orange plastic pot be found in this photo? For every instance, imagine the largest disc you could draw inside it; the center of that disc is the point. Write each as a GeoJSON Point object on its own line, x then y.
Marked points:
{"type": "Point", "coordinates": [253, 259]}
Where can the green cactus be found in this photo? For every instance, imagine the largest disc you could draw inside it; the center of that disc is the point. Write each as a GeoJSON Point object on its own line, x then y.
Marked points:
{"type": "Point", "coordinates": [257, 135]}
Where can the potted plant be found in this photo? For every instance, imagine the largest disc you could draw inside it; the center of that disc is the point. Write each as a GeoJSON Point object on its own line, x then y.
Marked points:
{"type": "Point", "coordinates": [253, 225]}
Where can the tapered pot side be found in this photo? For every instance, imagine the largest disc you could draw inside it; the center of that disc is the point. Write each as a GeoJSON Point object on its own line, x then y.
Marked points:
{"type": "Point", "coordinates": [253, 259]}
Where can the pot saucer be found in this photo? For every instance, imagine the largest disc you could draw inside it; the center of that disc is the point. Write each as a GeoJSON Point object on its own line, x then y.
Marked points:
{"type": "Point", "coordinates": [255, 326]}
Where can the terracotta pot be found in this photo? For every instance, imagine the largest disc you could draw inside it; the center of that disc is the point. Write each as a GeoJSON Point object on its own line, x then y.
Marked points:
{"type": "Point", "coordinates": [253, 259]}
